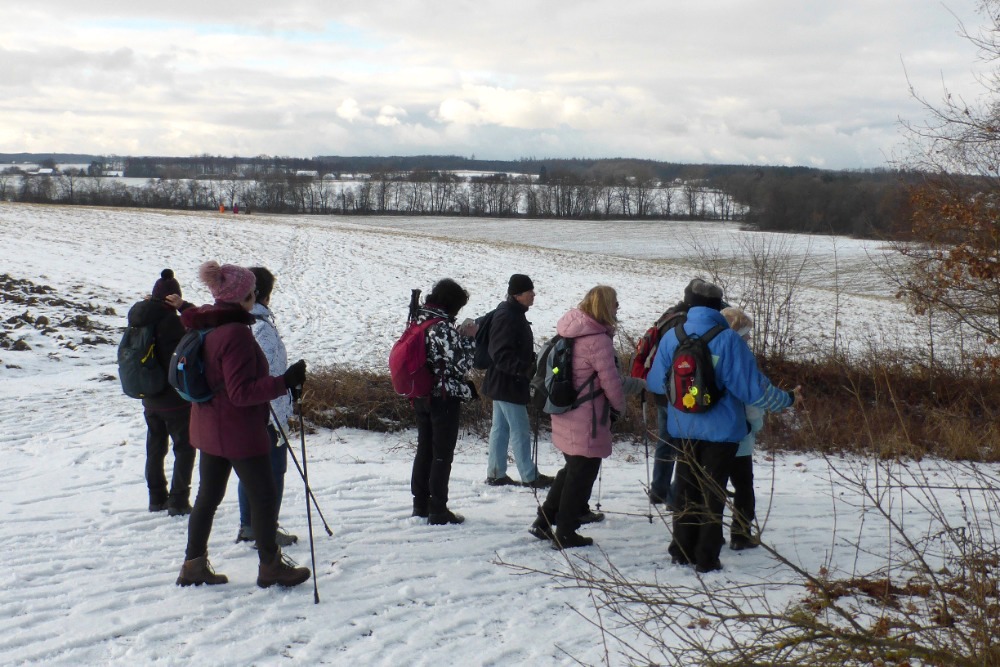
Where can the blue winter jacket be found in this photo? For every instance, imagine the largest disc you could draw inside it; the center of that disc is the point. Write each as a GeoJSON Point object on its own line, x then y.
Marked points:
{"type": "Point", "coordinates": [735, 371]}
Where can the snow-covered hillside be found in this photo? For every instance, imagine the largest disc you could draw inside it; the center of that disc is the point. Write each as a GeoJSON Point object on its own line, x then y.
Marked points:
{"type": "Point", "coordinates": [90, 573]}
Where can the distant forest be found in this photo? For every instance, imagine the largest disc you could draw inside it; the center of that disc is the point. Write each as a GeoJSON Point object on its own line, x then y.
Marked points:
{"type": "Point", "coordinates": [868, 203]}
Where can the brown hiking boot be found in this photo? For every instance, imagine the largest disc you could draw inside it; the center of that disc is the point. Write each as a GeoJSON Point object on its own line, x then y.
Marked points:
{"type": "Point", "coordinates": [199, 571]}
{"type": "Point", "coordinates": [282, 571]}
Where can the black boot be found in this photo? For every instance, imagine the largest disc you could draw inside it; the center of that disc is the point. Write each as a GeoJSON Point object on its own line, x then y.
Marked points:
{"type": "Point", "coordinates": [420, 508]}
{"type": "Point", "coordinates": [444, 518]}
{"type": "Point", "coordinates": [541, 529]}
{"type": "Point", "coordinates": [570, 541]}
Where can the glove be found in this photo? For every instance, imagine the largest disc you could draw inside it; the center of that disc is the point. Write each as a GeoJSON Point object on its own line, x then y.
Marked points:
{"type": "Point", "coordinates": [472, 388]}
{"type": "Point", "coordinates": [295, 376]}
{"type": "Point", "coordinates": [615, 415]}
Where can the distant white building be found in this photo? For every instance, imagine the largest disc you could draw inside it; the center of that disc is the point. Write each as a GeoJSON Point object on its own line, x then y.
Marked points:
{"type": "Point", "coordinates": [307, 173]}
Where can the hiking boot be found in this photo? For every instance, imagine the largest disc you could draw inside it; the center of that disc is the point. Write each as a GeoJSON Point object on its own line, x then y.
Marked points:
{"type": "Point", "coordinates": [677, 556]}
{"type": "Point", "coordinates": [282, 571]}
{"type": "Point", "coordinates": [285, 539]}
{"type": "Point", "coordinates": [741, 542]}
{"type": "Point", "coordinates": [570, 541]}
{"type": "Point", "coordinates": [157, 506]}
{"type": "Point", "coordinates": [705, 568]}
{"type": "Point", "coordinates": [540, 482]}
{"type": "Point", "coordinates": [500, 481]}
{"type": "Point", "coordinates": [179, 509]}
{"type": "Point", "coordinates": [245, 534]}
{"type": "Point", "coordinates": [655, 499]}
{"type": "Point", "coordinates": [591, 516]}
{"type": "Point", "coordinates": [445, 518]}
{"type": "Point", "coordinates": [420, 509]}
{"type": "Point", "coordinates": [199, 571]}
{"type": "Point", "coordinates": [541, 530]}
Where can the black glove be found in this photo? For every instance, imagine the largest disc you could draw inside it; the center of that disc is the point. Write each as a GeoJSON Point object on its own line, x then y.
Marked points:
{"type": "Point", "coordinates": [472, 388]}
{"type": "Point", "coordinates": [295, 375]}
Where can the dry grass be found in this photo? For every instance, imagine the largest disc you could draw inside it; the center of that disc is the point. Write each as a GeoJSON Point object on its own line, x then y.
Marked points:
{"type": "Point", "coordinates": [345, 396]}
{"type": "Point", "coordinates": [878, 406]}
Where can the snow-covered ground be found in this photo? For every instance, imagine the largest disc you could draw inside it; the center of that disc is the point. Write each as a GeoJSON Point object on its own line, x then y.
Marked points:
{"type": "Point", "coordinates": [90, 573]}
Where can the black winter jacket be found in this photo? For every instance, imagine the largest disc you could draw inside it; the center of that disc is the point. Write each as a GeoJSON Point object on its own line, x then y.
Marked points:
{"type": "Point", "coordinates": [169, 332]}
{"type": "Point", "coordinates": [512, 350]}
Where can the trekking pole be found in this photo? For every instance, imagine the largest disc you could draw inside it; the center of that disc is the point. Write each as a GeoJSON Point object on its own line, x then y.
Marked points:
{"type": "Point", "coordinates": [645, 444]}
{"type": "Point", "coordinates": [309, 490]}
{"type": "Point", "coordinates": [534, 451]}
{"type": "Point", "coordinates": [297, 396]}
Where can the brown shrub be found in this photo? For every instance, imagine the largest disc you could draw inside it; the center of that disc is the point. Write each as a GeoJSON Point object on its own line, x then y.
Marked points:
{"type": "Point", "coordinates": [879, 405]}
{"type": "Point", "coordinates": [345, 396]}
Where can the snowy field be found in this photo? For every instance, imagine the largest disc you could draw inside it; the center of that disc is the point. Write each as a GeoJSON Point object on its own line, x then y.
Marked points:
{"type": "Point", "coordinates": [90, 573]}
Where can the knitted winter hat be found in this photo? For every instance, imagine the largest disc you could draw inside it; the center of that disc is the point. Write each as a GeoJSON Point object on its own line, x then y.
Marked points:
{"type": "Point", "coordinates": [701, 293]}
{"type": "Point", "coordinates": [519, 284]}
{"type": "Point", "coordinates": [229, 283]}
{"type": "Point", "coordinates": [166, 285]}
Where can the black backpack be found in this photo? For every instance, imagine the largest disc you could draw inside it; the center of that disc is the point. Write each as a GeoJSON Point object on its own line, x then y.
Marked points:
{"type": "Point", "coordinates": [482, 360]}
{"type": "Point", "coordinates": [691, 386]}
{"type": "Point", "coordinates": [140, 373]}
{"type": "Point", "coordinates": [552, 389]}
{"type": "Point", "coordinates": [187, 368]}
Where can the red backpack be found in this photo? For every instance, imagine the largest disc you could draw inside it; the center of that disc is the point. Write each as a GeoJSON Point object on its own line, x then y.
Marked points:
{"type": "Point", "coordinates": [411, 376]}
{"type": "Point", "coordinates": [645, 349]}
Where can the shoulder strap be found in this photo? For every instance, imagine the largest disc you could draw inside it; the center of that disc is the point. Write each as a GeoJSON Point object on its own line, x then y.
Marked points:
{"type": "Point", "coordinates": [429, 322]}
{"type": "Point", "coordinates": [712, 333]}
{"type": "Point", "coordinates": [680, 333]}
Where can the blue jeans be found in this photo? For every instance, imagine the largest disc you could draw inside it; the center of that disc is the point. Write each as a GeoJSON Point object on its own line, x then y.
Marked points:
{"type": "Point", "coordinates": [510, 426]}
{"type": "Point", "coordinates": [663, 461]}
{"type": "Point", "coordinates": [279, 464]}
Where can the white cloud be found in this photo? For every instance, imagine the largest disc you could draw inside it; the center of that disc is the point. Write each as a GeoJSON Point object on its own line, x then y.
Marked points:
{"type": "Point", "coordinates": [668, 81]}
{"type": "Point", "coordinates": [389, 116]}
{"type": "Point", "coordinates": [349, 110]}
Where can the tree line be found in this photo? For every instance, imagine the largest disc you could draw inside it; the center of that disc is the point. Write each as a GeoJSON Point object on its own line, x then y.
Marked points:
{"type": "Point", "coordinates": [795, 199]}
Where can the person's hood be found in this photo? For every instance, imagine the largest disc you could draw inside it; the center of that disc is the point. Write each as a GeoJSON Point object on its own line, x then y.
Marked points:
{"type": "Point", "coordinates": [147, 312]}
{"type": "Point", "coordinates": [215, 315]}
{"type": "Point", "coordinates": [577, 323]}
{"type": "Point", "coordinates": [705, 314]}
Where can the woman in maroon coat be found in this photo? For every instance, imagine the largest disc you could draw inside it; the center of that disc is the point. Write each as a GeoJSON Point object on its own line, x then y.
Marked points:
{"type": "Point", "coordinates": [230, 430]}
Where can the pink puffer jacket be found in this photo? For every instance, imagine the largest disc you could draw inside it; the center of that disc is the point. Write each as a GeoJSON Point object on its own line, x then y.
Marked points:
{"type": "Point", "coordinates": [574, 432]}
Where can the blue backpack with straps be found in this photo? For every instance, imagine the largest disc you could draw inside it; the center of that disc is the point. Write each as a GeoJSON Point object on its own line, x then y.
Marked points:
{"type": "Point", "coordinates": [186, 373]}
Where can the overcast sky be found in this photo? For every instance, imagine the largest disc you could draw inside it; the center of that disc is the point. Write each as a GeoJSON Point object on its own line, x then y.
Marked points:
{"type": "Point", "coordinates": [807, 82]}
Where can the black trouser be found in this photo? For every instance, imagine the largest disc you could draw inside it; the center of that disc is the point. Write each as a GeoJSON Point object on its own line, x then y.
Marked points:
{"type": "Point", "coordinates": [161, 426]}
{"type": "Point", "coordinates": [702, 473]}
{"type": "Point", "coordinates": [258, 480]}
{"type": "Point", "coordinates": [437, 435]}
{"type": "Point", "coordinates": [744, 502]}
{"type": "Point", "coordinates": [570, 493]}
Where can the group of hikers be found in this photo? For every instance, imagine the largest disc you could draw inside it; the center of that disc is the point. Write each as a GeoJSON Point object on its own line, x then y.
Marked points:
{"type": "Point", "coordinates": [706, 422]}
{"type": "Point", "coordinates": [709, 436]}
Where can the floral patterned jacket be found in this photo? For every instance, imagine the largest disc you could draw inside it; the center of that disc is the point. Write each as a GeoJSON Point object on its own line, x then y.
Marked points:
{"type": "Point", "coordinates": [449, 354]}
